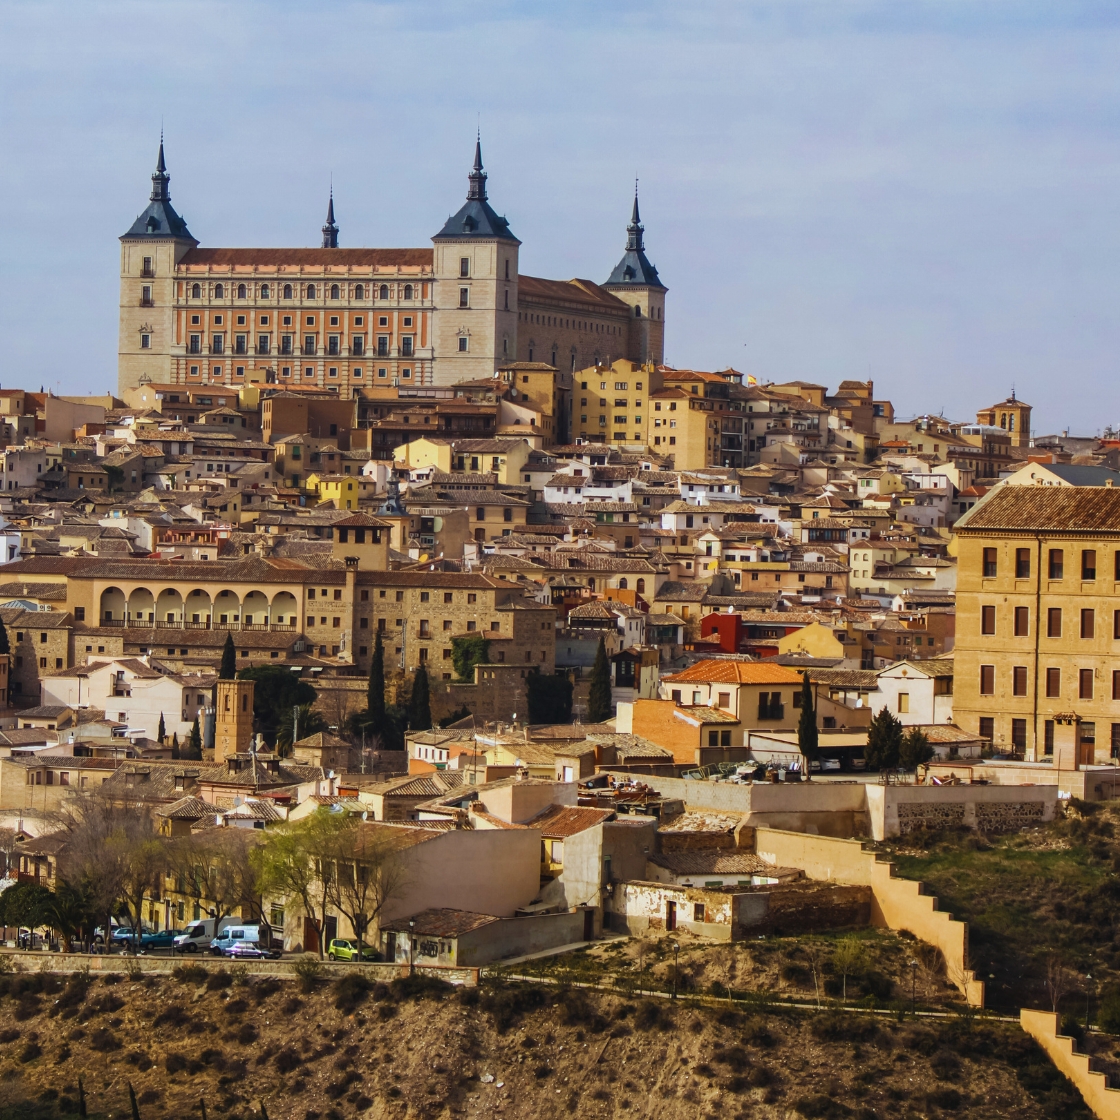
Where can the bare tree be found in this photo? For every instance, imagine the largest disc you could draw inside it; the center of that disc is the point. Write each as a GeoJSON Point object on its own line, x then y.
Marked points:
{"type": "Point", "coordinates": [849, 957]}
{"type": "Point", "coordinates": [215, 867]}
{"type": "Point", "coordinates": [366, 873]}
{"type": "Point", "coordinates": [1059, 980]}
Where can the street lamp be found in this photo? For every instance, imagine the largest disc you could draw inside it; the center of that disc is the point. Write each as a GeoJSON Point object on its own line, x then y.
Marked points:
{"type": "Point", "coordinates": [676, 958]}
{"type": "Point", "coordinates": [913, 988]}
{"type": "Point", "coordinates": [1088, 991]}
{"type": "Point", "coordinates": [411, 944]}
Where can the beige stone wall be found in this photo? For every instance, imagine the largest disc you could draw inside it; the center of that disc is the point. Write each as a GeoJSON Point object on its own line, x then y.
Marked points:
{"type": "Point", "coordinates": [897, 903]}
{"type": "Point", "coordinates": [133, 360]}
{"type": "Point", "coordinates": [1042, 1026]}
{"type": "Point", "coordinates": [898, 810]}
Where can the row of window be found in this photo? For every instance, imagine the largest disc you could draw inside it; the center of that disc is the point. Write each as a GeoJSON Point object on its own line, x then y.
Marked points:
{"type": "Point", "coordinates": [309, 372]}
{"type": "Point", "coordinates": [1022, 622]}
{"type": "Point", "coordinates": [310, 291]}
{"type": "Point", "coordinates": [1086, 679]}
{"type": "Point", "coordinates": [1087, 735]}
{"type": "Point", "coordinates": [335, 346]}
{"type": "Point", "coordinates": [1055, 567]}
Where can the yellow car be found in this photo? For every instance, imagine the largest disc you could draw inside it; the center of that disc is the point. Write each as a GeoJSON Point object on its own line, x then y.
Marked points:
{"type": "Point", "coordinates": [344, 949]}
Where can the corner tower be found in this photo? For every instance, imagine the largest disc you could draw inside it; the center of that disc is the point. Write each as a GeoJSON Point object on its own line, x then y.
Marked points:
{"type": "Point", "coordinates": [475, 263]}
{"type": "Point", "coordinates": [233, 718]}
{"type": "Point", "coordinates": [635, 282]}
{"type": "Point", "coordinates": [150, 250]}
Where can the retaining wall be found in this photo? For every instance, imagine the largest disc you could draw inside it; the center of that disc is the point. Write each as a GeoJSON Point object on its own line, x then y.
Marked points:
{"type": "Point", "coordinates": [1042, 1026]}
{"type": "Point", "coordinates": [896, 903]}
{"type": "Point", "coordinates": [281, 970]}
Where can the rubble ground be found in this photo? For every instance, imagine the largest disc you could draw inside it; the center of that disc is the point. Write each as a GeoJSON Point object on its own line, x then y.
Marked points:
{"type": "Point", "coordinates": [418, 1049]}
{"type": "Point", "coordinates": [878, 964]}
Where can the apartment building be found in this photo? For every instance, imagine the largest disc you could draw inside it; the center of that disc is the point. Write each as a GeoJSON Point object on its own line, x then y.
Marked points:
{"type": "Point", "coordinates": [1038, 620]}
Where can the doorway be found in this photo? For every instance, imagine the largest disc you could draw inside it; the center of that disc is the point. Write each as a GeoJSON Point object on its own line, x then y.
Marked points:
{"type": "Point", "coordinates": [310, 936]}
{"type": "Point", "coordinates": [670, 916]}
{"type": "Point", "coordinates": [330, 929]}
{"type": "Point", "coordinates": [588, 924]}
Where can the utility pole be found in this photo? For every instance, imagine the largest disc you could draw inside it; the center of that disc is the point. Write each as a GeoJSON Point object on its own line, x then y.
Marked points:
{"type": "Point", "coordinates": [295, 724]}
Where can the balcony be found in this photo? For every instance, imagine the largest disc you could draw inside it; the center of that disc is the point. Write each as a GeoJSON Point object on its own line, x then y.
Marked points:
{"type": "Point", "coordinates": [148, 272]}
{"type": "Point", "coordinates": [263, 346]}
{"type": "Point", "coordinates": [308, 349]}
{"type": "Point", "coordinates": [147, 301]}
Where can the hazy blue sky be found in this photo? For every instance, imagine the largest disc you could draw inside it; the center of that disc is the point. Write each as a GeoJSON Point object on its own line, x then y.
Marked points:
{"type": "Point", "coordinates": [922, 193]}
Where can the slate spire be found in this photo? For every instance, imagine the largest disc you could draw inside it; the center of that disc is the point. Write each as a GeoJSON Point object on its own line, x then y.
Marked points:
{"type": "Point", "coordinates": [158, 219]}
{"type": "Point", "coordinates": [160, 178]}
{"type": "Point", "coordinates": [635, 228]}
{"type": "Point", "coordinates": [477, 177]}
{"type": "Point", "coordinates": [330, 230]}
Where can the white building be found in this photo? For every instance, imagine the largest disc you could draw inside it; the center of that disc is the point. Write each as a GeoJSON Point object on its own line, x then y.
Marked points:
{"type": "Point", "coordinates": [916, 692]}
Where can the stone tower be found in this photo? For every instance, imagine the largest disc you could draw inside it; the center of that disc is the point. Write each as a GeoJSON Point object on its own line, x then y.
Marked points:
{"type": "Point", "coordinates": [475, 264]}
{"type": "Point", "coordinates": [1013, 415]}
{"type": "Point", "coordinates": [150, 250]}
{"type": "Point", "coordinates": [635, 282]}
{"type": "Point", "coordinates": [233, 719]}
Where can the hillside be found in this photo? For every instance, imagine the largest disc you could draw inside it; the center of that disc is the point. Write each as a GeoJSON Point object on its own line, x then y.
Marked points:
{"type": "Point", "coordinates": [322, 1050]}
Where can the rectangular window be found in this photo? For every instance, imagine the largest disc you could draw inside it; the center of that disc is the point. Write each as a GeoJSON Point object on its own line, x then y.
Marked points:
{"type": "Point", "coordinates": [464, 266]}
{"type": "Point", "coordinates": [1085, 684]}
{"type": "Point", "coordinates": [1057, 566]}
{"type": "Point", "coordinates": [1019, 734]}
{"type": "Point", "coordinates": [1054, 622]}
{"type": "Point", "coordinates": [987, 728]}
{"type": "Point", "coordinates": [1114, 744]}
{"type": "Point", "coordinates": [1088, 734]}
{"type": "Point", "coordinates": [987, 620]}
{"type": "Point", "coordinates": [1088, 563]}
{"type": "Point", "coordinates": [1116, 684]}
{"type": "Point", "coordinates": [903, 703]}
{"type": "Point", "coordinates": [990, 565]}
{"type": "Point", "coordinates": [1019, 680]}
{"type": "Point", "coordinates": [1048, 737]}
{"type": "Point", "coordinates": [462, 344]}
{"type": "Point", "coordinates": [1053, 682]}
{"type": "Point", "coordinates": [1088, 622]}
{"type": "Point", "coordinates": [464, 297]}
{"type": "Point", "coordinates": [1022, 622]}
{"type": "Point", "coordinates": [406, 346]}
{"type": "Point", "coordinates": [987, 680]}
{"type": "Point", "coordinates": [1022, 563]}
{"type": "Point", "coordinates": [1116, 565]}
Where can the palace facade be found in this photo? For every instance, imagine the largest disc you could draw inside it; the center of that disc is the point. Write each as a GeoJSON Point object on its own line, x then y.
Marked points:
{"type": "Point", "coordinates": [347, 319]}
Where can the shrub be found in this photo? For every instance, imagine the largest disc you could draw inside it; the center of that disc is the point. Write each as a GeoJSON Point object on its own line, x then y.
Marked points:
{"type": "Point", "coordinates": [218, 980]}
{"type": "Point", "coordinates": [187, 974]}
{"type": "Point", "coordinates": [946, 1065]}
{"type": "Point", "coordinates": [417, 986]}
{"type": "Point", "coordinates": [103, 1040]}
{"type": "Point", "coordinates": [9, 1035]}
{"type": "Point", "coordinates": [307, 971]}
{"type": "Point", "coordinates": [761, 1076]}
{"type": "Point", "coordinates": [30, 1052]}
{"type": "Point", "coordinates": [351, 989]}
{"type": "Point", "coordinates": [246, 1034]}
{"type": "Point", "coordinates": [948, 1099]}
{"type": "Point", "coordinates": [1073, 1027]}
{"type": "Point", "coordinates": [172, 1016]}
{"type": "Point", "coordinates": [287, 1060]}
{"type": "Point", "coordinates": [262, 989]}
{"type": "Point", "coordinates": [650, 1015]}
{"type": "Point", "coordinates": [821, 1107]}
{"type": "Point", "coordinates": [506, 1004]}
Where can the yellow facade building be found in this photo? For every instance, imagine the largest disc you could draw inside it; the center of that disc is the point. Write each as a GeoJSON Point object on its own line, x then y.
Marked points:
{"type": "Point", "coordinates": [1038, 620]}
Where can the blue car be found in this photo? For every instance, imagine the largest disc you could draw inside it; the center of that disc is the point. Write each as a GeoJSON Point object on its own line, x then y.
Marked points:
{"type": "Point", "coordinates": [164, 939]}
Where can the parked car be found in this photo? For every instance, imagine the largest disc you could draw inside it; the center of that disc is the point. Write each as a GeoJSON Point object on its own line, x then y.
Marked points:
{"type": "Point", "coordinates": [251, 950]}
{"type": "Point", "coordinates": [125, 934]}
{"type": "Point", "coordinates": [346, 949]}
{"type": "Point", "coordinates": [164, 939]}
{"type": "Point", "coordinates": [199, 934]}
{"type": "Point", "coordinates": [234, 935]}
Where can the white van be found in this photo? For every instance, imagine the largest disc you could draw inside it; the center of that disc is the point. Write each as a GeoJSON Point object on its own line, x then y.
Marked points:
{"type": "Point", "coordinates": [234, 935]}
{"type": "Point", "coordinates": [198, 935]}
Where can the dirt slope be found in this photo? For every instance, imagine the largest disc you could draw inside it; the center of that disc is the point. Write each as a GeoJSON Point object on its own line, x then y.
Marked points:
{"type": "Point", "coordinates": [415, 1050]}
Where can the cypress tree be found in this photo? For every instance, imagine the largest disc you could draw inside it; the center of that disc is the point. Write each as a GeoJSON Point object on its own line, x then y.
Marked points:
{"type": "Point", "coordinates": [175, 745]}
{"type": "Point", "coordinates": [419, 704]}
{"type": "Point", "coordinates": [229, 660]}
{"type": "Point", "coordinates": [194, 749]}
{"type": "Point", "coordinates": [161, 734]}
{"type": "Point", "coordinates": [375, 698]}
{"type": "Point", "coordinates": [807, 725]}
{"type": "Point", "coordinates": [4, 646]}
{"type": "Point", "coordinates": [884, 741]}
{"type": "Point", "coordinates": [599, 694]}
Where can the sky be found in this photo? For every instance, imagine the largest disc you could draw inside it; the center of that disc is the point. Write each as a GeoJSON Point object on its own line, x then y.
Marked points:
{"type": "Point", "coordinates": [925, 194]}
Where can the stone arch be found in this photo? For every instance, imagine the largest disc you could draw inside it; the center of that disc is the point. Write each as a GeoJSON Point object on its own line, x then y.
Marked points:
{"type": "Point", "coordinates": [384, 293]}
{"type": "Point", "coordinates": [219, 291]}
{"type": "Point", "coordinates": [336, 291]}
{"type": "Point", "coordinates": [226, 608]}
{"type": "Point", "coordinates": [169, 605]}
{"type": "Point", "coordinates": [142, 605]}
{"type": "Point", "coordinates": [310, 291]}
{"type": "Point", "coordinates": [640, 586]}
{"type": "Point", "coordinates": [408, 291]}
{"type": "Point", "coordinates": [196, 291]}
{"type": "Point", "coordinates": [287, 291]}
{"type": "Point", "coordinates": [284, 609]}
{"type": "Point", "coordinates": [197, 608]}
{"type": "Point", "coordinates": [266, 291]}
{"type": "Point", "coordinates": [113, 604]}
{"type": "Point", "coordinates": [242, 291]}
{"type": "Point", "coordinates": [255, 609]}
{"type": "Point", "coordinates": [622, 584]}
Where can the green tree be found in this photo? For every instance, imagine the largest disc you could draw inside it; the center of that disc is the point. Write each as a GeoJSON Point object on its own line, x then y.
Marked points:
{"type": "Point", "coordinates": [915, 749]}
{"type": "Point", "coordinates": [310, 722]}
{"type": "Point", "coordinates": [161, 734]}
{"type": "Point", "coordinates": [194, 745]}
{"type": "Point", "coordinates": [549, 697]}
{"type": "Point", "coordinates": [849, 958]}
{"type": "Point", "coordinates": [375, 693]}
{"type": "Point", "coordinates": [24, 904]}
{"type": "Point", "coordinates": [5, 647]}
{"type": "Point", "coordinates": [468, 652]}
{"type": "Point", "coordinates": [228, 670]}
{"type": "Point", "coordinates": [419, 702]}
{"type": "Point", "coordinates": [175, 745]}
{"type": "Point", "coordinates": [599, 694]}
{"type": "Point", "coordinates": [884, 741]}
{"type": "Point", "coordinates": [277, 691]}
{"type": "Point", "coordinates": [807, 738]}
{"type": "Point", "coordinates": [67, 911]}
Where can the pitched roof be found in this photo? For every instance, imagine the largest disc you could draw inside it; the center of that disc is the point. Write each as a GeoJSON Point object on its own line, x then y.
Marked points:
{"type": "Point", "coordinates": [558, 821]}
{"type": "Point", "coordinates": [391, 258]}
{"type": "Point", "coordinates": [735, 672]}
{"type": "Point", "coordinates": [715, 862]}
{"type": "Point", "coordinates": [440, 922]}
{"type": "Point", "coordinates": [1065, 509]}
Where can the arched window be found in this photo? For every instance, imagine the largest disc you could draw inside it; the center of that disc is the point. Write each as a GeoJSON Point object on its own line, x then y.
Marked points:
{"type": "Point", "coordinates": [641, 586]}
{"type": "Point", "coordinates": [241, 291]}
{"type": "Point", "coordinates": [219, 291]}
{"type": "Point", "coordinates": [622, 585]}
{"type": "Point", "coordinates": [334, 291]}
{"type": "Point", "coordinates": [287, 291]}
{"type": "Point", "coordinates": [384, 293]}
{"type": "Point", "coordinates": [359, 291]}
{"type": "Point", "coordinates": [637, 312]}
{"type": "Point", "coordinates": [196, 291]}
{"type": "Point", "coordinates": [310, 291]}
{"type": "Point", "coordinates": [264, 291]}
{"type": "Point", "coordinates": [408, 291]}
